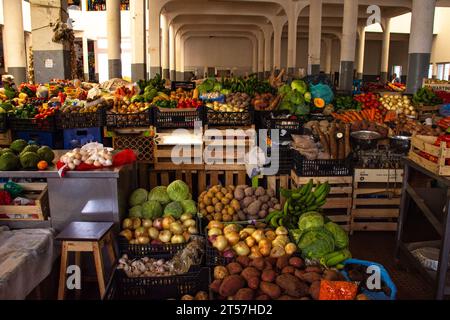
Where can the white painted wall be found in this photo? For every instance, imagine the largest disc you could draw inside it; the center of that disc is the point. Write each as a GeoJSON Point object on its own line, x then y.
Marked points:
{"type": "Point", "coordinates": [218, 52]}
{"type": "Point", "coordinates": [441, 44]}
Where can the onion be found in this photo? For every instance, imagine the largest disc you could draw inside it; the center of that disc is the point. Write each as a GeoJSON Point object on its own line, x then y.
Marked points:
{"type": "Point", "coordinates": [156, 241]}
{"type": "Point", "coordinates": [127, 223]}
{"type": "Point", "coordinates": [147, 223]}
{"type": "Point", "coordinates": [290, 248]}
{"type": "Point", "coordinates": [165, 236]}
{"type": "Point", "coordinates": [241, 249]}
{"type": "Point", "coordinates": [214, 232]}
{"type": "Point", "coordinates": [212, 239]}
{"type": "Point", "coordinates": [176, 239]}
{"type": "Point", "coordinates": [189, 223]}
{"type": "Point", "coordinates": [153, 233]}
{"type": "Point", "coordinates": [175, 228]}
{"type": "Point", "coordinates": [228, 254]}
{"type": "Point", "coordinates": [127, 233]}
{"type": "Point", "coordinates": [139, 232]}
{"type": "Point", "coordinates": [167, 221]}
{"type": "Point", "coordinates": [193, 230]}
{"type": "Point", "coordinates": [281, 231]}
{"type": "Point", "coordinates": [143, 240]}
{"type": "Point", "coordinates": [220, 243]}
{"type": "Point", "coordinates": [231, 228]}
{"type": "Point", "coordinates": [215, 224]}
{"type": "Point", "coordinates": [185, 216]}
{"type": "Point", "coordinates": [258, 235]}
{"type": "Point", "coordinates": [157, 223]}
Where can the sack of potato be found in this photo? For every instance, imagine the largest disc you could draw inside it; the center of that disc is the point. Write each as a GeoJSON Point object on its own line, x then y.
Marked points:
{"type": "Point", "coordinates": [237, 203]}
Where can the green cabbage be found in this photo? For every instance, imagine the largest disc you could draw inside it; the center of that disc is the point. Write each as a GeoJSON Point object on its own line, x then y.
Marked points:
{"type": "Point", "coordinates": [285, 89]}
{"type": "Point", "coordinates": [316, 243]}
{"type": "Point", "coordinates": [139, 196]}
{"type": "Point", "coordinates": [159, 194]}
{"type": "Point", "coordinates": [189, 206]}
{"type": "Point", "coordinates": [299, 86]}
{"type": "Point", "coordinates": [152, 209]}
{"type": "Point", "coordinates": [173, 209]}
{"type": "Point", "coordinates": [135, 212]}
{"type": "Point", "coordinates": [178, 191]}
{"type": "Point", "coordinates": [340, 236]}
{"type": "Point", "coordinates": [310, 220]}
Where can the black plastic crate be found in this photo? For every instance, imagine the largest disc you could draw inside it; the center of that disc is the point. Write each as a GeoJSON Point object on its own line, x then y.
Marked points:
{"type": "Point", "coordinates": [157, 288]}
{"type": "Point", "coordinates": [66, 120]}
{"type": "Point", "coordinates": [322, 168]}
{"type": "Point", "coordinates": [185, 85]}
{"type": "Point", "coordinates": [31, 124]}
{"type": "Point", "coordinates": [285, 163]}
{"type": "Point", "coordinates": [177, 118]}
{"type": "Point", "coordinates": [3, 122]}
{"type": "Point", "coordinates": [229, 119]}
{"type": "Point", "coordinates": [214, 258]}
{"type": "Point", "coordinates": [129, 120]}
{"type": "Point", "coordinates": [271, 121]}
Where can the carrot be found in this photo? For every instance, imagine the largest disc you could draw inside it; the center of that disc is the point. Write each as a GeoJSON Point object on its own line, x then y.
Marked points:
{"type": "Point", "coordinates": [358, 116]}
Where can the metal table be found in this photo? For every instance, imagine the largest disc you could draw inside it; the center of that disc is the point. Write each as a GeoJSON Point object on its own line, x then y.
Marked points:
{"type": "Point", "coordinates": [434, 204]}
{"type": "Point", "coordinates": [98, 195]}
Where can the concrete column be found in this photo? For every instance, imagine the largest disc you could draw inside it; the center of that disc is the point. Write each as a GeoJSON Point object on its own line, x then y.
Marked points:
{"type": "Point", "coordinates": [138, 41]}
{"type": "Point", "coordinates": [348, 45]}
{"type": "Point", "coordinates": [14, 40]}
{"type": "Point", "coordinates": [172, 53]}
{"type": "Point", "coordinates": [51, 59]}
{"type": "Point", "coordinates": [184, 74]}
{"type": "Point", "coordinates": [165, 47]}
{"type": "Point", "coordinates": [260, 55]}
{"type": "Point", "coordinates": [114, 38]}
{"type": "Point", "coordinates": [315, 35]}
{"type": "Point", "coordinates": [255, 55]}
{"type": "Point", "coordinates": [278, 31]}
{"type": "Point", "coordinates": [154, 49]}
{"type": "Point", "coordinates": [328, 48]}
{"type": "Point", "coordinates": [85, 58]}
{"type": "Point", "coordinates": [361, 50]}
{"type": "Point", "coordinates": [420, 42]}
{"type": "Point", "coordinates": [179, 75]}
{"type": "Point", "coordinates": [292, 41]}
{"type": "Point", "coordinates": [268, 32]}
{"type": "Point", "coordinates": [385, 49]}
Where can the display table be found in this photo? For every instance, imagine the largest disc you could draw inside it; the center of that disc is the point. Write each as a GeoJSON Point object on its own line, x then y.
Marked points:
{"type": "Point", "coordinates": [434, 203]}
{"type": "Point", "coordinates": [98, 195]}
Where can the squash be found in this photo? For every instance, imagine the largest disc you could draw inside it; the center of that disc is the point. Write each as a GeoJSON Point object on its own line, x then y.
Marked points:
{"type": "Point", "coordinates": [195, 94]}
{"type": "Point", "coordinates": [319, 103]}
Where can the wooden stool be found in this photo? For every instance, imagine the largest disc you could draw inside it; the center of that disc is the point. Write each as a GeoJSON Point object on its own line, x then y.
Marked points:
{"type": "Point", "coordinates": [85, 237]}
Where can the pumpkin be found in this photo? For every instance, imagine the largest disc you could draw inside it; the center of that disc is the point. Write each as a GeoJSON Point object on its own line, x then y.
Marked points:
{"type": "Point", "coordinates": [42, 165]}
{"type": "Point", "coordinates": [319, 103]}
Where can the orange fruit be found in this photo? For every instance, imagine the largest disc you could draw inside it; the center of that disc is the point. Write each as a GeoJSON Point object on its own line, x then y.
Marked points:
{"type": "Point", "coordinates": [42, 165]}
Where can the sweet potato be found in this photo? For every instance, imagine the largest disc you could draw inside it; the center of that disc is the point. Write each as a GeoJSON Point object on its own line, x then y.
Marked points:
{"type": "Point", "coordinates": [286, 297]}
{"type": "Point", "coordinates": [272, 261]}
{"type": "Point", "coordinates": [250, 272]}
{"type": "Point", "coordinates": [310, 277]}
{"type": "Point", "coordinates": [231, 284]}
{"type": "Point", "coordinates": [271, 289]}
{"type": "Point", "coordinates": [314, 269]}
{"type": "Point", "coordinates": [258, 263]}
{"type": "Point", "coordinates": [305, 298]}
{"type": "Point", "coordinates": [244, 261]}
{"type": "Point", "coordinates": [296, 262]}
{"type": "Point", "coordinates": [244, 294]}
{"type": "Point", "coordinates": [268, 275]}
{"type": "Point", "coordinates": [282, 262]}
{"type": "Point", "coordinates": [268, 265]}
{"type": "Point", "coordinates": [332, 275]}
{"type": "Point", "coordinates": [292, 285]}
{"type": "Point", "coordinates": [215, 285]}
{"type": "Point", "coordinates": [253, 283]}
{"type": "Point", "coordinates": [314, 290]}
{"type": "Point", "coordinates": [298, 273]}
{"type": "Point", "coordinates": [263, 297]}
{"type": "Point", "coordinates": [288, 269]}
{"type": "Point", "coordinates": [234, 268]}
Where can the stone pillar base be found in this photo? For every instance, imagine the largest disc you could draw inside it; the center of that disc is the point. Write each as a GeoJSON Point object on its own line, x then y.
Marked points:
{"type": "Point", "coordinates": [19, 74]}
{"type": "Point", "coordinates": [138, 71]}
{"type": "Point", "coordinates": [359, 76]}
{"type": "Point", "coordinates": [418, 66]}
{"type": "Point", "coordinates": [154, 71]}
{"type": "Point", "coordinates": [315, 69]}
{"type": "Point", "coordinates": [384, 76]}
{"type": "Point", "coordinates": [115, 68]}
{"type": "Point", "coordinates": [346, 76]}
{"type": "Point", "coordinates": [187, 76]}
{"type": "Point", "coordinates": [166, 74]}
{"type": "Point", "coordinates": [173, 75]}
{"type": "Point", "coordinates": [179, 76]}
{"type": "Point", "coordinates": [61, 65]}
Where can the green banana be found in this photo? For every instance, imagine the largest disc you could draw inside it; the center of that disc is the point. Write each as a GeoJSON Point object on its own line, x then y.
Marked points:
{"type": "Point", "coordinates": [296, 196]}
{"type": "Point", "coordinates": [320, 190]}
{"type": "Point", "coordinates": [311, 199]}
{"type": "Point", "coordinates": [321, 203]}
{"type": "Point", "coordinates": [285, 209]}
{"type": "Point", "coordinates": [272, 214]}
{"type": "Point", "coordinates": [274, 221]}
{"type": "Point", "coordinates": [309, 187]}
{"type": "Point", "coordinates": [280, 222]}
{"type": "Point", "coordinates": [339, 258]}
{"type": "Point", "coordinates": [312, 207]}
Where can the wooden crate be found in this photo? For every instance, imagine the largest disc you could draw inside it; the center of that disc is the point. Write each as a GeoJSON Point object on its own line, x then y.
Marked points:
{"type": "Point", "coordinates": [5, 138]}
{"type": "Point", "coordinates": [339, 202]}
{"type": "Point", "coordinates": [425, 144]}
{"type": "Point", "coordinates": [276, 183]}
{"type": "Point", "coordinates": [376, 199]}
{"type": "Point", "coordinates": [37, 212]}
{"type": "Point", "coordinates": [225, 149]}
{"type": "Point", "coordinates": [178, 153]}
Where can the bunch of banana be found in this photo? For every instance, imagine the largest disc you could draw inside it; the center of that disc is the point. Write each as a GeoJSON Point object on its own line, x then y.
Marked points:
{"type": "Point", "coordinates": [335, 258]}
{"type": "Point", "coordinates": [161, 97]}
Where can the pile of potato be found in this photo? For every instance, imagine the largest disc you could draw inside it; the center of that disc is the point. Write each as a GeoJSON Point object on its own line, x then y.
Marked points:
{"type": "Point", "coordinates": [237, 203]}
{"type": "Point", "coordinates": [284, 278]}
{"type": "Point", "coordinates": [398, 103]}
{"type": "Point", "coordinates": [239, 100]}
{"type": "Point", "coordinates": [252, 241]}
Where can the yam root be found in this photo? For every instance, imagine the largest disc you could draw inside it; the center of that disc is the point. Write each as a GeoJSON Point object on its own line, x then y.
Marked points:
{"type": "Point", "coordinates": [271, 289]}
{"type": "Point", "coordinates": [292, 285]}
{"type": "Point", "coordinates": [244, 294]}
{"type": "Point", "coordinates": [250, 272]}
{"type": "Point", "coordinates": [332, 140]}
{"type": "Point", "coordinates": [323, 140]}
{"type": "Point", "coordinates": [348, 147]}
{"type": "Point", "coordinates": [231, 285]}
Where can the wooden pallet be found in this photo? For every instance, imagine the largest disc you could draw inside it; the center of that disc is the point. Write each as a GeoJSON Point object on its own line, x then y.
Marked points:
{"type": "Point", "coordinates": [37, 212]}
{"type": "Point", "coordinates": [441, 153]}
{"type": "Point", "coordinates": [276, 183]}
{"type": "Point", "coordinates": [339, 202]}
{"type": "Point", "coordinates": [225, 148]}
{"type": "Point", "coordinates": [5, 138]}
{"type": "Point", "coordinates": [376, 199]}
{"type": "Point", "coordinates": [173, 153]}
